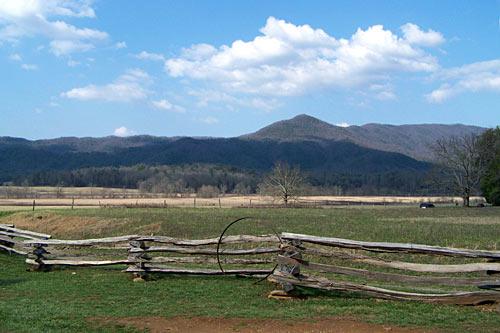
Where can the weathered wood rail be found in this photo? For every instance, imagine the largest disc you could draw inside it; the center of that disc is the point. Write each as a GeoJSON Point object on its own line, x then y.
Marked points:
{"type": "Point", "coordinates": [149, 254]}
{"type": "Point", "coordinates": [11, 238]}
{"type": "Point", "coordinates": [292, 264]}
{"type": "Point", "coordinates": [302, 261]}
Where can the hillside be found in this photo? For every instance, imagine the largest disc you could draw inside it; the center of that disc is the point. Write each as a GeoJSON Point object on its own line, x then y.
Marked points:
{"type": "Point", "coordinates": [411, 140]}
{"type": "Point", "coordinates": [20, 158]}
{"type": "Point", "coordinates": [380, 155]}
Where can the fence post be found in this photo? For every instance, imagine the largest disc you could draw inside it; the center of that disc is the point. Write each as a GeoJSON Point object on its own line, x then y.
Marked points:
{"type": "Point", "coordinates": [137, 260]}
{"type": "Point", "coordinates": [291, 250]}
{"type": "Point", "coordinates": [36, 255]}
{"type": "Point", "coordinates": [33, 205]}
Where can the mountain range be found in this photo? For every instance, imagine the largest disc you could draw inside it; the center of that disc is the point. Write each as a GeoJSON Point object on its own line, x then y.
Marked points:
{"type": "Point", "coordinates": [315, 145]}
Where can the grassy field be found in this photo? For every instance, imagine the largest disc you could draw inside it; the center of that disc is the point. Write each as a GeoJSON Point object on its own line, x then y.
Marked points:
{"type": "Point", "coordinates": [76, 299]}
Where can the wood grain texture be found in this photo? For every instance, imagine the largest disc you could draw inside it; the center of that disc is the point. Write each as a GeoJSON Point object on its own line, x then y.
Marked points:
{"type": "Point", "coordinates": [461, 298]}
{"type": "Point", "coordinates": [391, 247]}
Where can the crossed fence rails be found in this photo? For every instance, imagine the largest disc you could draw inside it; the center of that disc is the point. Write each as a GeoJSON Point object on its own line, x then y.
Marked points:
{"type": "Point", "coordinates": [300, 262]}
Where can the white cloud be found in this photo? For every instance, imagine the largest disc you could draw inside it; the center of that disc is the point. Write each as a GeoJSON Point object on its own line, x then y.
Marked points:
{"type": "Point", "coordinates": [121, 45]}
{"type": "Point", "coordinates": [209, 120]}
{"type": "Point", "coordinates": [288, 59]}
{"type": "Point", "coordinates": [16, 57]}
{"type": "Point", "coordinates": [126, 88]}
{"type": "Point", "coordinates": [123, 132]}
{"type": "Point", "coordinates": [149, 56]}
{"type": "Point", "coordinates": [207, 96]}
{"type": "Point", "coordinates": [164, 104]}
{"type": "Point", "coordinates": [475, 77]}
{"type": "Point", "coordinates": [29, 18]}
{"type": "Point", "coordinates": [414, 35]}
{"type": "Point", "coordinates": [343, 124]}
{"type": "Point", "coordinates": [64, 47]}
{"type": "Point", "coordinates": [73, 63]}
{"type": "Point", "coordinates": [29, 67]}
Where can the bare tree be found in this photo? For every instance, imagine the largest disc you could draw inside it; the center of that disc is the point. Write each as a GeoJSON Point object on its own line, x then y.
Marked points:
{"type": "Point", "coordinates": [461, 165]}
{"type": "Point", "coordinates": [284, 181]}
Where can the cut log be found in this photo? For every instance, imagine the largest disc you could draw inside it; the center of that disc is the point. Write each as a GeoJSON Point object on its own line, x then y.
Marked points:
{"type": "Point", "coordinates": [208, 260]}
{"type": "Point", "coordinates": [210, 241]}
{"type": "Point", "coordinates": [201, 271]}
{"type": "Point", "coordinates": [391, 277]}
{"type": "Point", "coordinates": [25, 232]}
{"type": "Point", "coordinates": [15, 234]}
{"type": "Point", "coordinates": [206, 251]}
{"type": "Point", "coordinates": [12, 250]}
{"type": "Point", "coordinates": [461, 298]}
{"type": "Point", "coordinates": [429, 268]}
{"type": "Point", "coordinates": [83, 242]}
{"type": "Point", "coordinates": [392, 247]}
{"type": "Point", "coordinates": [78, 262]}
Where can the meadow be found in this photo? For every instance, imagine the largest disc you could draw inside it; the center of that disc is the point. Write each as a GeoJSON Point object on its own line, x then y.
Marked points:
{"type": "Point", "coordinates": [88, 299]}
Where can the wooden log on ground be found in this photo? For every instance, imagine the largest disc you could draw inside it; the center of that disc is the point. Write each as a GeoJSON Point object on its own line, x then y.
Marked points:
{"type": "Point", "coordinates": [210, 241]}
{"type": "Point", "coordinates": [206, 251]}
{"type": "Point", "coordinates": [461, 298]}
{"type": "Point", "coordinates": [187, 271]}
{"type": "Point", "coordinates": [25, 232]}
{"type": "Point", "coordinates": [391, 277]}
{"type": "Point", "coordinates": [392, 247]}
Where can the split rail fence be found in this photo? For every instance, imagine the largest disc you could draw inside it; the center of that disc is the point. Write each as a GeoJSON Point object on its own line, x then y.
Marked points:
{"type": "Point", "coordinates": [377, 261]}
{"type": "Point", "coordinates": [431, 273]}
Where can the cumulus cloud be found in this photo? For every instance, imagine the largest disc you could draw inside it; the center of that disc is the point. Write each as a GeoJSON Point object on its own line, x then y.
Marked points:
{"type": "Point", "coordinates": [475, 77]}
{"type": "Point", "coordinates": [414, 35]}
{"type": "Point", "coordinates": [344, 124]}
{"type": "Point", "coordinates": [150, 56]}
{"type": "Point", "coordinates": [164, 104]}
{"type": "Point", "coordinates": [128, 87]}
{"type": "Point", "coordinates": [123, 132]}
{"type": "Point", "coordinates": [287, 59]}
{"type": "Point", "coordinates": [28, 18]}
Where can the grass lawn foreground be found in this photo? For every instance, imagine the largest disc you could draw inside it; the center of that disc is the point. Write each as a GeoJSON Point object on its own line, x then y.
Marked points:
{"type": "Point", "coordinates": [75, 299]}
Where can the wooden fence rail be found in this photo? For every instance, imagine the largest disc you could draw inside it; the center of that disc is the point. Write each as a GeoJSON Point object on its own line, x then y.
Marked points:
{"type": "Point", "coordinates": [291, 264]}
{"type": "Point", "coordinates": [331, 264]}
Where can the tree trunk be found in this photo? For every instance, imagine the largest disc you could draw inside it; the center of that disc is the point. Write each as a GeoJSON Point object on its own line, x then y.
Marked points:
{"type": "Point", "coordinates": [466, 199]}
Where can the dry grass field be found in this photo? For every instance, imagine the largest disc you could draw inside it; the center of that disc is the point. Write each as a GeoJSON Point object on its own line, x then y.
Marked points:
{"type": "Point", "coordinates": [14, 197]}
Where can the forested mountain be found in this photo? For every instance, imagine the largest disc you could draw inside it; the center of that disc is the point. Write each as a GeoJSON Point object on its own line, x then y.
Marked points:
{"type": "Point", "coordinates": [379, 155]}
{"type": "Point", "coordinates": [411, 140]}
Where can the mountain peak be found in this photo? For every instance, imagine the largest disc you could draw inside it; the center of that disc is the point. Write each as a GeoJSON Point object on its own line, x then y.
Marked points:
{"type": "Point", "coordinates": [411, 140]}
{"type": "Point", "coordinates": [300, 127]}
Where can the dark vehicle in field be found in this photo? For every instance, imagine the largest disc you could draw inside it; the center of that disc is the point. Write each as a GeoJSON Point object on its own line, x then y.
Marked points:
{"type": "Point", "coordinates": [427, 205]}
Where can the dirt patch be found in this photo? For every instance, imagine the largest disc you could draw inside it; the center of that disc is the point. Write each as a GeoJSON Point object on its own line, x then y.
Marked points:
{"type": "Point", "coordinates": [221, 325]}
{"type": "Point", "coordinates": [63, 226]}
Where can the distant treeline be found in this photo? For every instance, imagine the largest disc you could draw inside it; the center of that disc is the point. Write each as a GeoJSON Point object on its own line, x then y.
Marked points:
{"type": "Point", "coordinates": [210, 180]}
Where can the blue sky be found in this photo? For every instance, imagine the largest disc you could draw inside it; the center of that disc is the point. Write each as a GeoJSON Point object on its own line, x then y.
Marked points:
{"type": "Point", "coordinates": [225, 68]}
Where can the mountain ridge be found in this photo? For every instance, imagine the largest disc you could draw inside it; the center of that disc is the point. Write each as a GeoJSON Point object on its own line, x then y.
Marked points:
{"type": "Point", "coordinates": [414, 140]}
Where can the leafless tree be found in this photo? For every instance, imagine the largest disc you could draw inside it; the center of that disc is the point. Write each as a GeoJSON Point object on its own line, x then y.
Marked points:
{"type": "Point", "coordinates": [284, 181]}
{"type": "Point", "coordinates": [461, 165]}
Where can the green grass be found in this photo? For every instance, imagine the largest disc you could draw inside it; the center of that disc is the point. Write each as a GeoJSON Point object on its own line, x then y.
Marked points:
{"type": "Point", "coordinates": [63, 301]}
